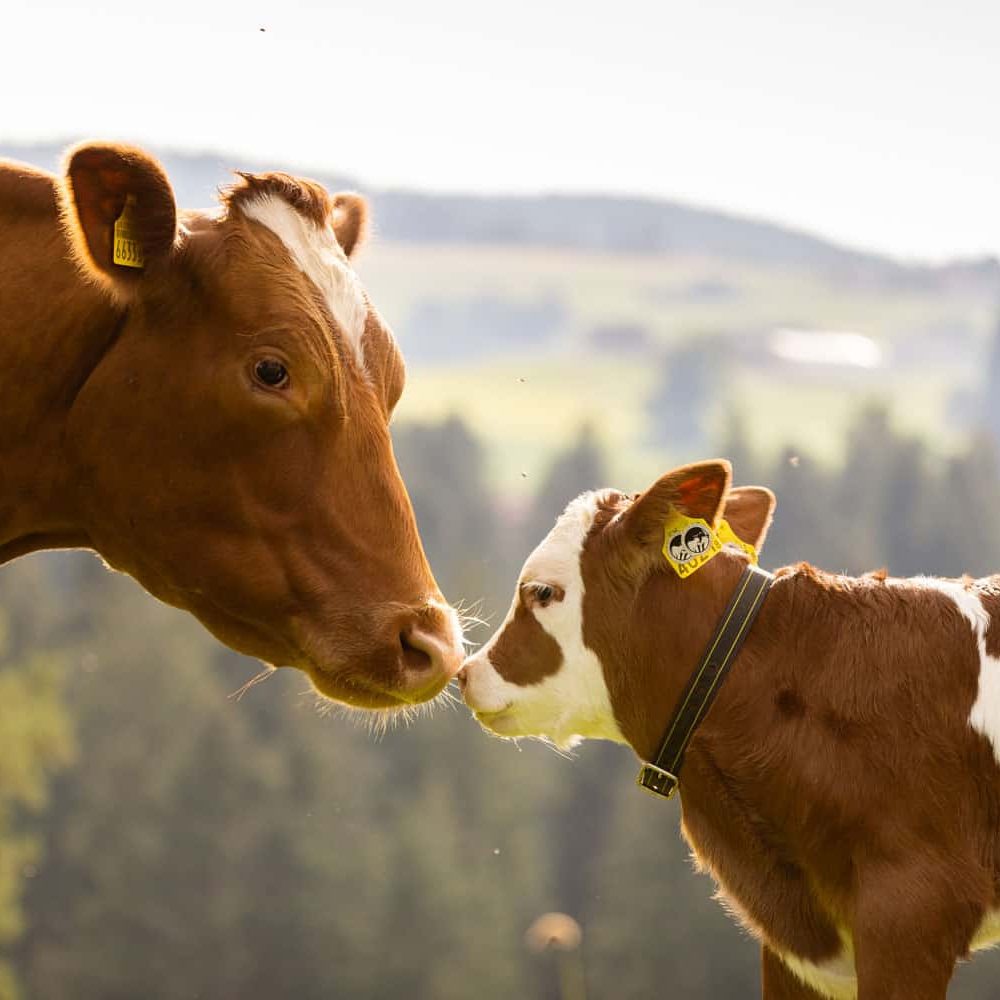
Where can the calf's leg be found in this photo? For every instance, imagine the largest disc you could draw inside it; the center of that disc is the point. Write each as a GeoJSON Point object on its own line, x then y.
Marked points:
{"type": "Point", "coordinates": [910, 928]}
{"type": "Point", "coordinates": [778, 982]}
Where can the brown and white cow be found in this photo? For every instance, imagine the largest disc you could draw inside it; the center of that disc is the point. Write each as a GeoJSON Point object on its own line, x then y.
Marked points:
{"type": "Point", "coordinates": [844, 787]}
{"type": "Point", "coordinates": [215, 422]}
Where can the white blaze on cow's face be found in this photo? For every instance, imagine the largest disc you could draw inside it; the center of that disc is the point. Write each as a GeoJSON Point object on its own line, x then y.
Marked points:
{"type": "Point", "coordinates": [536, 677]}
{"type": "Point", "coordinates": [318, 254]}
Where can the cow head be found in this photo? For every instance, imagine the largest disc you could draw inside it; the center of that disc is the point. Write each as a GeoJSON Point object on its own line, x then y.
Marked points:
{"type": "Point", "coordinates": [601, 627]}
{"type": "Point", "coordinates": [232, 447]}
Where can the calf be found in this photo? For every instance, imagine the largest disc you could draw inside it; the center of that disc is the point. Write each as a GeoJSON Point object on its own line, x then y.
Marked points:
{"type": "Point", "coordinates": [843, 788]}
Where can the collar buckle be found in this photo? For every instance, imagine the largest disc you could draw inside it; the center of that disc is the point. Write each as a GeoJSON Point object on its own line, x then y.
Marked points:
{"type": "Point", "coordinates": [657, 781]}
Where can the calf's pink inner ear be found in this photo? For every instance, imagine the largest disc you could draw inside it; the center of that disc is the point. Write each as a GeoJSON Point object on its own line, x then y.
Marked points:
{"type": "Point", "coordinates": [100, 179]}
{"type": "Point", "coordinates": [697, 490]}
{"type": "Point", "coordinates": [749, 511]}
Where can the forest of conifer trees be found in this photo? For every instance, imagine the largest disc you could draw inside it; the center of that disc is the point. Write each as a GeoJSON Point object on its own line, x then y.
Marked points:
{"type": "Point", "coordinates": [161, 838]}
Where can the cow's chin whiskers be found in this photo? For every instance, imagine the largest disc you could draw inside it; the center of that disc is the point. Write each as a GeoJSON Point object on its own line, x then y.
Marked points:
{"type": "Point", "coordinates": [269, 671]}
{"type": "Point", "coordinates": [379, 721]}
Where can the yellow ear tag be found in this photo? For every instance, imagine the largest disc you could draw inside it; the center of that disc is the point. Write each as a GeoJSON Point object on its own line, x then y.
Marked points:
{"type": "Point", "coordinates": [128, 249]}
{"type": "Point", "coordinates": [729, 537]}
{"type": "Point", "coordinates": [690, 542]}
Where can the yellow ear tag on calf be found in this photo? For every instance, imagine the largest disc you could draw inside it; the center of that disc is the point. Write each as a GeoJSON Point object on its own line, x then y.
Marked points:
{"type": "Point", "coordinates": [690, 542]}
{"type": "Point", "coordinates": [729, 537]}
{"type": "Point", "coordinates": [128, 249]}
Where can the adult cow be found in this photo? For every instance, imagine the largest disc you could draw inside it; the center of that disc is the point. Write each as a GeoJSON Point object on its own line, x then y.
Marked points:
{"type": "Point", "coordinates": [204, 398]}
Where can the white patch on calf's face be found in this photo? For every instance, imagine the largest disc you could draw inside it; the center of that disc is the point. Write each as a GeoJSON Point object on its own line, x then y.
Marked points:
{"type": "Point", "coordinates": [319, 256]}
{"type": "Point", "coordinates": [572, 702]}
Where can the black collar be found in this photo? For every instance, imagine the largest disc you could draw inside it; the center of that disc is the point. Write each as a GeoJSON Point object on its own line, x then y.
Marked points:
{"type": "Point", "coordinates": [660, 777]}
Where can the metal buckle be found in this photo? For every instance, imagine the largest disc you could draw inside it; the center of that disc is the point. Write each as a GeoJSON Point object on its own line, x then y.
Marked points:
{"type": "Point", "coordinates": [654, 779]}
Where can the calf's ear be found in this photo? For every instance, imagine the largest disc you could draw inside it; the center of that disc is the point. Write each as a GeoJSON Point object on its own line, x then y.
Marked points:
{"type": "Point", "coordinates": [749, 511]}
{"type": "Point", "coordinates": [697, 490]}
{"type": "Point", "coordinates": [109, 184]}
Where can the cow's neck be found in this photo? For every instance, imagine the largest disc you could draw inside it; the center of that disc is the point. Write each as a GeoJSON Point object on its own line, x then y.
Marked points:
{"type": "Point", "coordinates": [54, 329]}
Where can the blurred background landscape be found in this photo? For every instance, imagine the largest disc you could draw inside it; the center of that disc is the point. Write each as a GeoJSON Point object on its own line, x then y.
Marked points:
{"type": "Point", "coordinates": [161, 838]}
{"type": "Point", "coordinates": [609, 241]}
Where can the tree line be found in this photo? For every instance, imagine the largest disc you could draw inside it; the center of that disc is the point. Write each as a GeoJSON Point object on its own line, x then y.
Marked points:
{"type": "Point", "coordinates": [162, 838]}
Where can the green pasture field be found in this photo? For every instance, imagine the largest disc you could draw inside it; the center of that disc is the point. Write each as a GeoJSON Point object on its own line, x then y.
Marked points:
{"type": "Point", "coordinates": [527, 404]}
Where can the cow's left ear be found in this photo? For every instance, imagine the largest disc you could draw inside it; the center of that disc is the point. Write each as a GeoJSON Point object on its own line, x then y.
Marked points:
{"type": "Point", "coordinates": [749, 511]}
{"type": "Point", "coordinates": [109, 186]}
{"type": "Point", "coordinates": [695, 490]}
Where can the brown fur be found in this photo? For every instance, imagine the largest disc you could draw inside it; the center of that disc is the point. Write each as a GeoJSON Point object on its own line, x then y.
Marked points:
{"type": "Point", "coordinates": [525, 652]}
{"type": "Point", "coordinates": [835, 789]}
{"type": "Point", "coordinates": [835, 782]}
{"type": "Point", "coordinates": [131, 423]}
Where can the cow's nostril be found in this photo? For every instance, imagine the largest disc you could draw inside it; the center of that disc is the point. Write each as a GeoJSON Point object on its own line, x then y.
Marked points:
{"type": "Point", "coordinates": [414, 658]}
{"type": "Point", "coordinates": [463, 678]}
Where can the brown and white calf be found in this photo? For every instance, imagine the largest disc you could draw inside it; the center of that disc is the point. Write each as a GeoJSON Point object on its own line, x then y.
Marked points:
{"type": "Point", "coordinates": [204, 398]}
{"type": "Point", "coordinates": [844, 787]}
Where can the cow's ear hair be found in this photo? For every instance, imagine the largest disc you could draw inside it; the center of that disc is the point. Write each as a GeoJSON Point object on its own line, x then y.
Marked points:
{"type": "Point", "coordinates": [346, 212]}
{"type": "Point", "coordinates": [749, 511]}
{"type": "Point", "coordinates": [100, 180]}
{"type": "Point", "coordinates": [350, 220]}
{"type": "Point", "coordinates": [697, 490]}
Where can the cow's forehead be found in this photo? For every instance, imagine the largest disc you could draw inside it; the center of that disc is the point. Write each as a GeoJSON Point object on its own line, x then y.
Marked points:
{"type": "Point", "coordinates": [316, 253]}
{"type": "Point", "coordinates": [557, 557]}
{"type": "Point", "coordinates": [262, 288]}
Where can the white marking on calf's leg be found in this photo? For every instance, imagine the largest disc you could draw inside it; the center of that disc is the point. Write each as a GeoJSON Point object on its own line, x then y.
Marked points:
{"type": "Point", "coordinates": [318, 255]}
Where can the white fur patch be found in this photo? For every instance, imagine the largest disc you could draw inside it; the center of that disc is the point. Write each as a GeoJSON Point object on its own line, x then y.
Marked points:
{"type": "Point", "coordinates": [572, 703]}
{"type": "Point", "coordinates": [988, 933]}
{"type": "Point", "coordinates": [985, 714]}
{"type": "Point", "coordinates": [835, 978]}
{"type": "Point", "coordinates": [319, 256]}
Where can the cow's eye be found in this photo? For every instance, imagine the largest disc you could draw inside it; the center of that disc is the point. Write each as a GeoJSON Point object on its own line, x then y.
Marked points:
{"type": "Point", "coordinates": [544, 593]}
{"type": "Point", "coordinates": [271, 373]}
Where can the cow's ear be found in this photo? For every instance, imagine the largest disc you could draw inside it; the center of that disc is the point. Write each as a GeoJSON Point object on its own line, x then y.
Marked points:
{"type": "Point", "coordinates": [350, 220]}
{"type": "Point", "coordinates": [749, 511]}
{"type": "Point", "coordinates": [697, 490]}
{"type": "Point", "coordinates": [119, 211]}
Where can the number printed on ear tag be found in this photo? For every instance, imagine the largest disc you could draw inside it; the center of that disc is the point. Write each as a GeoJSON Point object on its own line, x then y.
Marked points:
{"type": "Point", "coordinates": [127, 248]}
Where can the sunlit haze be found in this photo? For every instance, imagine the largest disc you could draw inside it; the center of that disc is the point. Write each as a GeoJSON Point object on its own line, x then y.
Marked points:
{"type": "Point", "coordinates": [872, 122]}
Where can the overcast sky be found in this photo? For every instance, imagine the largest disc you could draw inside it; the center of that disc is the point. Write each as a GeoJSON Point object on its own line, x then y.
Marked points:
{"type": "Point", "coordinates": [873, 122]}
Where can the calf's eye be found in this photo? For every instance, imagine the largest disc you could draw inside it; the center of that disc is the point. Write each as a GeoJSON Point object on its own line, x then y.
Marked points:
{"type": "Point", "coordinates": [271, 373]}
{"type": "Point", "coordinates": [544, 594]}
